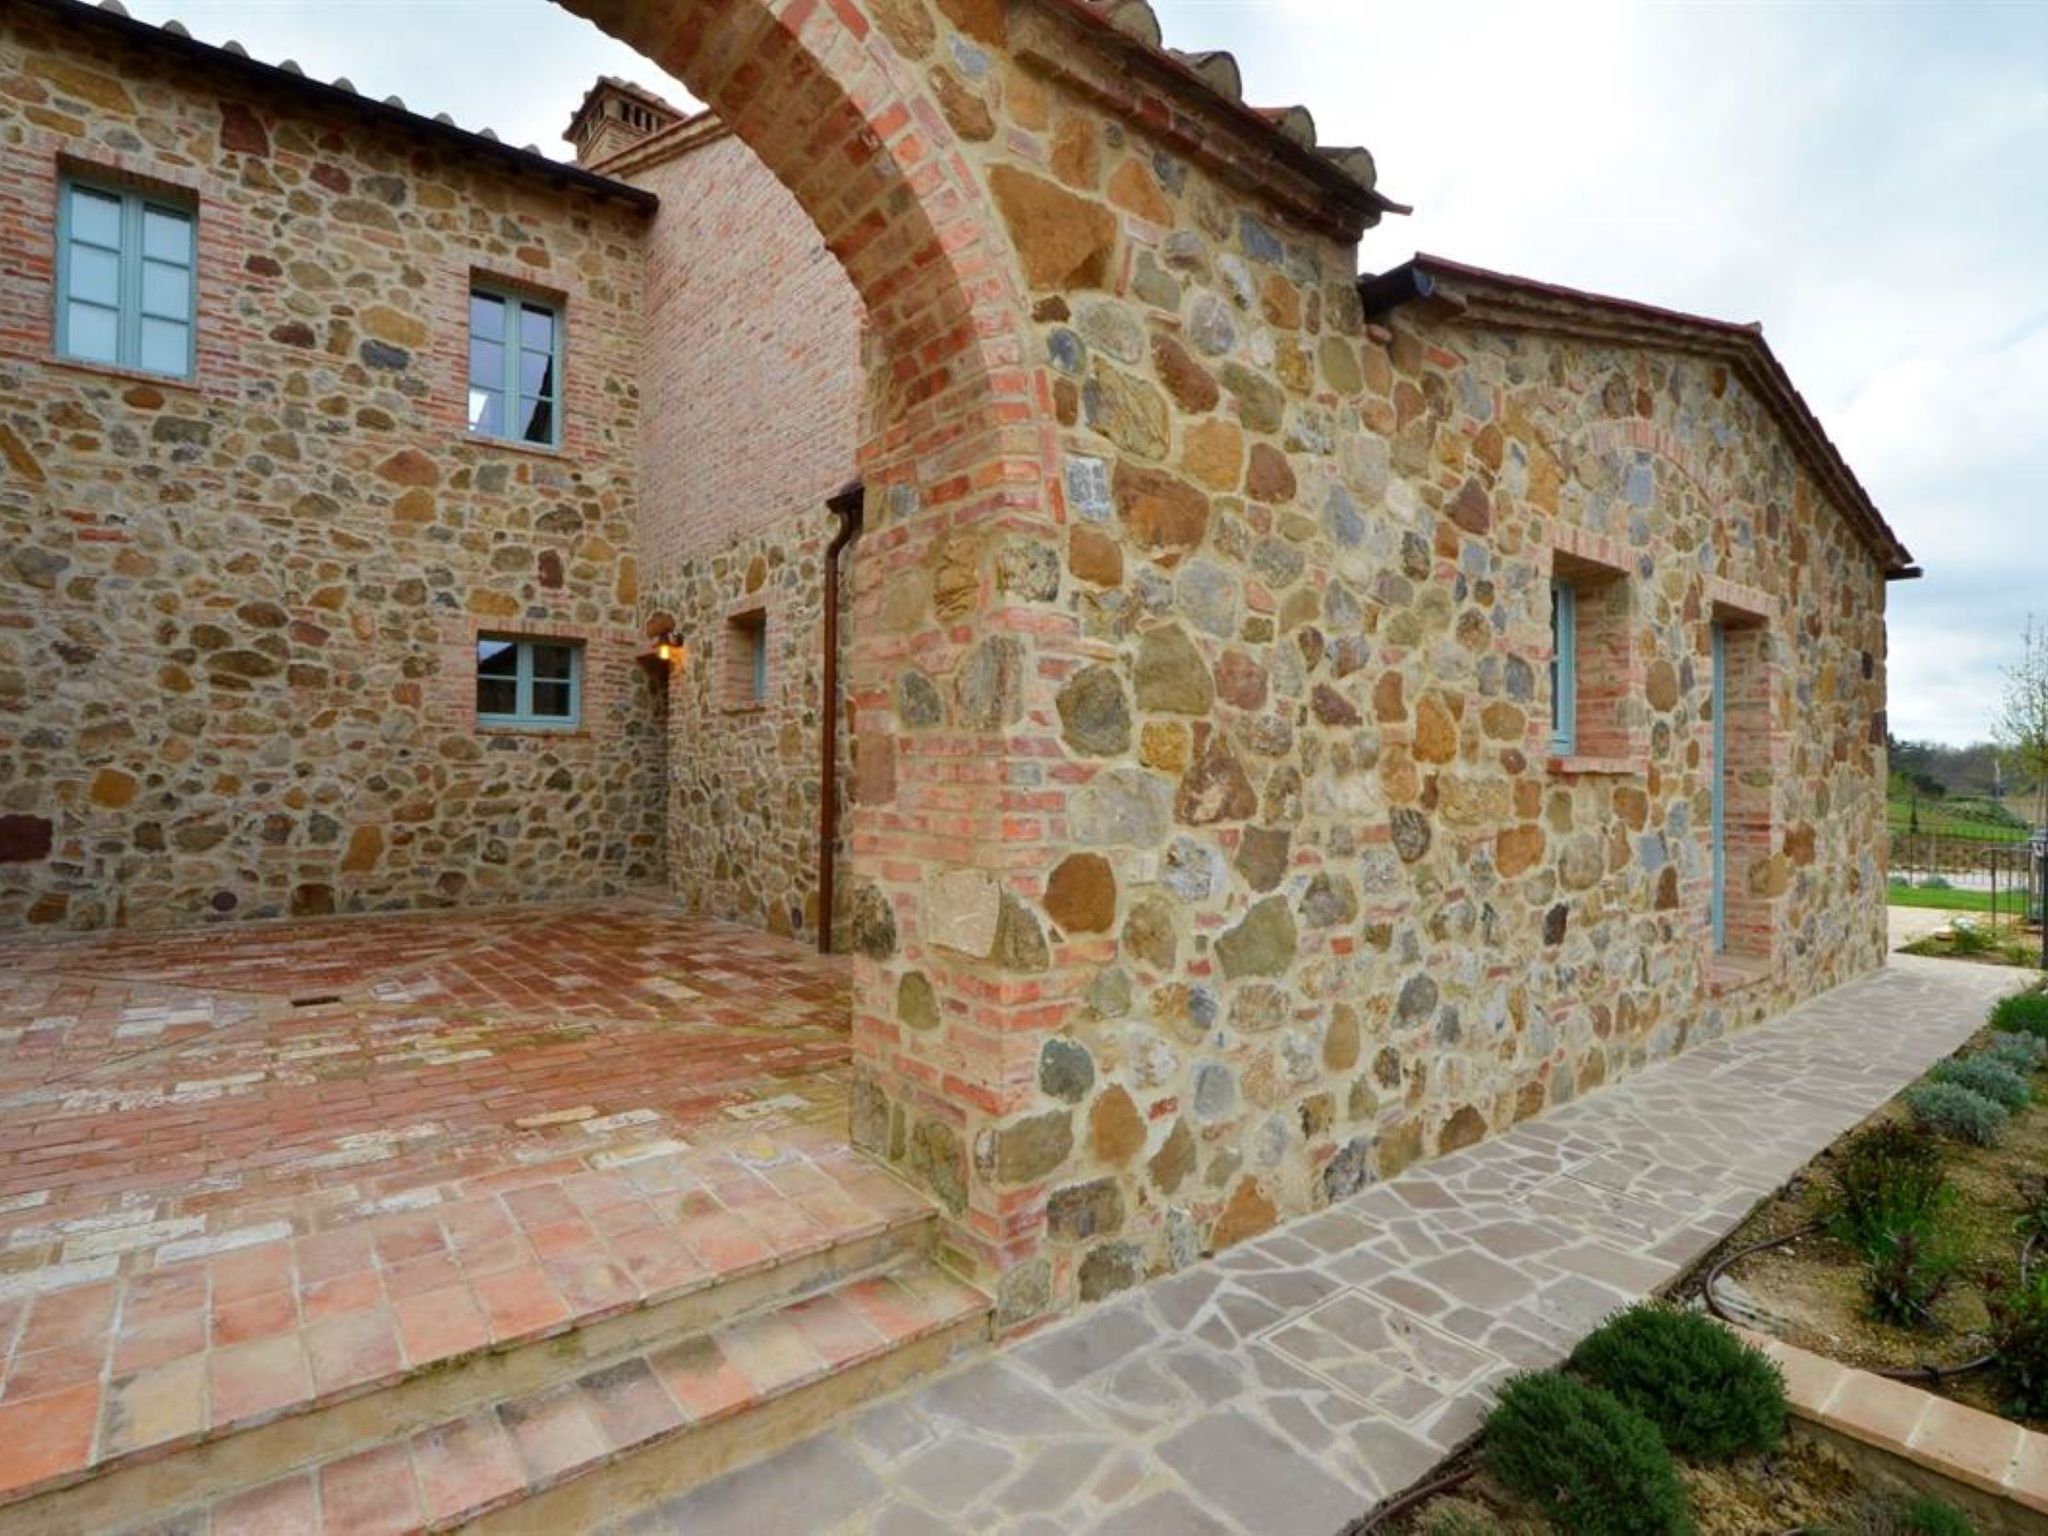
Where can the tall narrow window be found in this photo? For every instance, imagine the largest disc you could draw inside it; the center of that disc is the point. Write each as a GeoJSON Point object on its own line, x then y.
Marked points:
{"type": "Point", "coordinates": [529, 682]}
{"type": "Point", "coordinates": [1564, 668]}
{"type": "Point", "coordinates": [515, 368]}
{"type": "Point", "coordinates": [746, 668]}
{"type": "Point", "coordinates": [126, 266]}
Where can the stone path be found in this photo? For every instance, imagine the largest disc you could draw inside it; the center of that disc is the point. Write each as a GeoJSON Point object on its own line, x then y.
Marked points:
{"type": "Point", "coordinates": [1905, 924]}
{"type": "Point", "coordinates": [1292, 1383]}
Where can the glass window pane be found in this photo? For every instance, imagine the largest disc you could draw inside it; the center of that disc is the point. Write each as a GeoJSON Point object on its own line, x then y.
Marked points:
{"type": "Point", "coordinates": [537, 328]}
{"type": "Point", "coordinates": [487, 316]}
{"type": "Point", "coordinates": [553, 662]}
{"type": "Point", "coordinates": [95, 275]}
{"type": "Point", "coordinates": [497, 696]}
{"type": "Point", "coordinates": [95, 217]}
{"type": "Point", "coordinates": [551, 700]}
{"type": "Point", "coordinates": [92, 333]}
{"type": "Point", "coordinates": [540, 421]}
{"type": "Point", "coordinates": [487, 412]}
{"type": "Point", "coordinates": [167, 236]}
{"type": "Point", "coordinates": [166, 346]}
{"type": "Point", "coordinates": [536, 373]}
{"type": "Point", "coordinates": [486, 363]}
{"type": "Point", "coordinates": [497, 658]}
{"type": "Point", "coordinates": [166, 291]}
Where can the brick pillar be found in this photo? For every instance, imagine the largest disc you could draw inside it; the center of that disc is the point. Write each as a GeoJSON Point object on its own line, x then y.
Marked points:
{"type": "Point", "coordinates": [946, 687]}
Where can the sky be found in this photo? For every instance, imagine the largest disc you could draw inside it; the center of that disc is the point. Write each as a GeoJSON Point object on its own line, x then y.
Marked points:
{"type": "Point", "coordinates": [1869, 180]}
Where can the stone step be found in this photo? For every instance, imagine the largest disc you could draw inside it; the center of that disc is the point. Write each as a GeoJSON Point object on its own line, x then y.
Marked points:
{"type": "Point", "coordinates": [644, 1425]}
{"type": "Point", "coordinates": [165, 1455]}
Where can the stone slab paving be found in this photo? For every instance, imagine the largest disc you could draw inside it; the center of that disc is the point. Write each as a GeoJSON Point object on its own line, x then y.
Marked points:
{"type": "Point", "coordinates": [1290, 1384]}
{"type": "Point", "coordinates": [1905, 924]}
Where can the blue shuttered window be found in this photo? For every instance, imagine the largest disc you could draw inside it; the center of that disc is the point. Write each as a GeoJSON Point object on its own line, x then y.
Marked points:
{"type": "Point", "coordinates": [533, 683]}
{"type": "Point", "coordinates": [127, 279]}
{"type": "Point", "coordinates": [1564, 668]}
{"type": "Point", "coordinates": [515, 368]}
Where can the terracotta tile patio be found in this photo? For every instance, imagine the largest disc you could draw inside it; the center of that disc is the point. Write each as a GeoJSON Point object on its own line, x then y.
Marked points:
{"type": "Point", "coordinates": [246, 1171]}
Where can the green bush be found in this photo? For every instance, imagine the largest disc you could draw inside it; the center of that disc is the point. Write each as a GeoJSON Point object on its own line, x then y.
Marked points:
{"type": "Point", "coordinates": [1993, 1079]}
{"type": "Point", "coordinates": [1886, 1178]}
{"type": "Point", "coordinates": [2022, 1013]}
{"type": "Point", "coordinates": [1935, 883]}
{"type": "Point", "coordinates": [2019, 1343]}
{"type": "Point", "coordinates": [1931, 1517]}
{"type": "Point", "coordinates": [1955, 1111]}
{"type": "Point", "coordinates": [1583, 1459]}
{"type": "Point", "coordinates": [1968, 939]}
{"type": "Point", "coordinates": [2023, 1053]}
{"type": "Point", "coordinates": [1910, 1271]}
{"type": "Point", "coordinates": [1712, 1395]}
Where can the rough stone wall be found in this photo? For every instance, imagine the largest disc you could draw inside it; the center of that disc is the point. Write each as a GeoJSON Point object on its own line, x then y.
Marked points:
{"type": "Point", "coordinates": [236, 612]}
{"type": "Point", "coordinates": [744, 780]}
{"type": "Point", "coordinates": [753, 392]}
{"type": "Point", "coordinates": [1289, 893]}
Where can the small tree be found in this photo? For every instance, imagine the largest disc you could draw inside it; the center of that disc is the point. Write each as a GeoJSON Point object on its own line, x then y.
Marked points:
{"type": "Point", "coordinates": [2022, 724]}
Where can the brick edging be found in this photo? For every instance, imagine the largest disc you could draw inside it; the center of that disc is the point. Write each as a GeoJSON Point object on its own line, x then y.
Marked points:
{"type": "Point", "coordinates": [1966, 1445]}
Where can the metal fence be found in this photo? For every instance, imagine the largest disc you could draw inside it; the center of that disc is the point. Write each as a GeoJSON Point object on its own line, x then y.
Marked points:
{"type": "Point", "coordinates": [2008, 873]}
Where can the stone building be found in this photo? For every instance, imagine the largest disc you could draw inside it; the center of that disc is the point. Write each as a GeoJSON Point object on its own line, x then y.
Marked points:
{"type": "Point", "coordinates": [1295, 724]}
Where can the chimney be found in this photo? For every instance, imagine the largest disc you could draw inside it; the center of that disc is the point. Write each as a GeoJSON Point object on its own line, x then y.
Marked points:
{"type": "Point", "coordinates": [615, 115]}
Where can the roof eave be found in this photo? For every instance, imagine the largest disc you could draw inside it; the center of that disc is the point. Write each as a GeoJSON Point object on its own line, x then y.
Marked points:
{"type": "Point", "coordinates": [183, 45]}
{"type": "Point", "coordinates": [1529, 304]}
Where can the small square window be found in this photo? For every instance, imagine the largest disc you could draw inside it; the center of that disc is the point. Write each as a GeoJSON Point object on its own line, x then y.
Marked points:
{"type": "Point", "coordinates": [746, 668]}
{"type": "Point", "coordinates": [127, 274]}
{"type": "Point", "coordinates": [532, 683]}
{"type": "Point", "coordinates": [515, 367]}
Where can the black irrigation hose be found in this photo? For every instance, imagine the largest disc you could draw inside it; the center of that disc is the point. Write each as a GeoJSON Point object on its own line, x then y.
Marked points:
{"type": "Point", "coordinates": [1906, 1373]}
{"type": "Point", "coordinates": [1410, 1500]}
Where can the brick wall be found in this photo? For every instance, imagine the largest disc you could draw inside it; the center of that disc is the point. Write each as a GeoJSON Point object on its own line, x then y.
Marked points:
{"type": "Point", "coordinates": [752, 404]}
{"type": "Point", "coordinates": [753, 355]}
{"type": "Point", "coordinates": [236, 612]}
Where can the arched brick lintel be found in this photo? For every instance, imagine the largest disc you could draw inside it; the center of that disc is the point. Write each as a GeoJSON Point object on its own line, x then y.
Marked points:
{"type": "Point", "coordinates": [819, 94]}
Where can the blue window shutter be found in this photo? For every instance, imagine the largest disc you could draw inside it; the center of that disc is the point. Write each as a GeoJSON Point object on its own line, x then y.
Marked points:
{"type": "Point", "coordinates": [1564, 668]}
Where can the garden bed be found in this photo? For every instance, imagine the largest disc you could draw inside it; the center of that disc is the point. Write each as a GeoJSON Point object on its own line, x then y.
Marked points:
{"type": "Point", "coordinates": [1984, 939]}
{"type": "Point", "coordinates": [1916, 1244]}
{"type": "Point", "coordinates": [1803, 1486]}
{"type": "Point", "coordinates": [1814, 1288]}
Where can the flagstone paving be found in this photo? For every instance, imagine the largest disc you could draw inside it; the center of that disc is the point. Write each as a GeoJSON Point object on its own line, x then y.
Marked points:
{"type": "Point", "coordinates": [1290, 1384]}
{"type": "Point", "coordinates": [249, 1170]}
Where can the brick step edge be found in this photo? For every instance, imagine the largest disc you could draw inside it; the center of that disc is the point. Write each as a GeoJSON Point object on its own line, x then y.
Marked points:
{"type": "Point", "coordinates": [908, 1229]}
{"type": "Point", "coordinates": [493, 1459]}
{"type": "Point", "coordinates": [1963, 1444]}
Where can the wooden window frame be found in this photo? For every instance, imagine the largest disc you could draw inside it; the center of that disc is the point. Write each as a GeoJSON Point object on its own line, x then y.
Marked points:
{"type": "Point", "coordinates": [1564, 667]}
{"type": "Point", "coordinates": [522, 716]}
{"type": "Point", "coordinates": [512, 399]}
{"type": "Point", "coordinates": [131, 260]}
{"type": "Point", "coordinates": [749, 670]}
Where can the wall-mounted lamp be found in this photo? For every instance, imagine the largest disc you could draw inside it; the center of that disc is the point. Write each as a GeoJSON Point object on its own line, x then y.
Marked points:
{"type": "Point", "coordinates": [671, 649]}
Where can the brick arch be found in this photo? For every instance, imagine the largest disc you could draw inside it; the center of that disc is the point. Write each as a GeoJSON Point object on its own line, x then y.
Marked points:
{"type": "Point", "coordinates": [828, 106]}
{"type": "Point", "coordinates": [1620, 435]}
{"type": "Point", "coordinates": [962, 440]}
